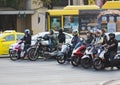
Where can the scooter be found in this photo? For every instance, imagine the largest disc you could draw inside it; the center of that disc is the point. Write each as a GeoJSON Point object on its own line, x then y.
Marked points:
{"type": "Point", "coordinates": [64, 54]}
{"type": "Point", "coordinates": [77, 53]}
{"type": "Point", "coordinates": [101, 62]}
{"type": "Point", "coordinates": [18, 51]}
{"type": "Point", "coordinates": [90, 53]}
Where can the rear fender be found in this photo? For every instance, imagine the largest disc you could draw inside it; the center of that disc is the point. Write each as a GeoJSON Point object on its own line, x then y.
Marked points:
{"type": "Point", "coordinates": [101, 55]}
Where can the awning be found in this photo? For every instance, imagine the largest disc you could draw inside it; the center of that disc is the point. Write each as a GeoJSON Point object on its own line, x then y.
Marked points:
{"type": "Point", "coordinates": [63, 12]}
{"type": "Point", "coordinates": [82, 7]}
{"type": "Point", "coordinates": [111, 5]}
{"type": "Point", "coordinates": [17, 12]}
{"type": "Point", "coordinates": [109, 12]}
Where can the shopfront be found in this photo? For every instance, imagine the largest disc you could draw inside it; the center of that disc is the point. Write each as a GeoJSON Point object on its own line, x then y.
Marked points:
{"type": "Point", "coordinates": [71, 17]}
{"type": "Point", "coordinates": [66, 19]}
{"type": "Point", "coordinates": [15, 20]}
{"type": "Point", "coordinates": [110, 16]}
{"type": "Point", "coordinates": [88, 20]}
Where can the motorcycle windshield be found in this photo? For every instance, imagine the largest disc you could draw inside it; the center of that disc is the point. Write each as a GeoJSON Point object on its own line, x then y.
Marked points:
{"type": "Point", "coordinates": [78, 45]}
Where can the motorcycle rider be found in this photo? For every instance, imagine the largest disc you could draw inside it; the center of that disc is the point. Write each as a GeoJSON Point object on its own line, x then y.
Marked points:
{"type": "Point", "coordinates": [61, 37]}
{"type": "Point", "coordinates": [112, 47]}
{"type": "Point", "coordinates": [104, 36]}
{"type": "Point", "coordinates": [98, 39]}
{"type": "Point", "coordinates": [27, 40]}
{"type": "Point", "coordinates": [75, 39]}
{"type": "Point", "coordinates": [52, 39]}
{"type": "Point", "coordinates": [90, 38]}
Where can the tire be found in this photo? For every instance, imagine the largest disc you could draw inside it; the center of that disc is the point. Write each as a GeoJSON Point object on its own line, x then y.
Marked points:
{"type": "Point", "coordinates": [31, 55]}
{"type": "Point", "coordinates": [118, 66]}
{"type": "Point", "coordinates": [61, 59]}
{"type": "Point", "coordinates": [98, 64]}
{"type": "Point", "coordinates": [75, 61]}
{"type": "Point", "coordinates": [13, 56]}
{"type": "Point", "coordinates": [86, 63]}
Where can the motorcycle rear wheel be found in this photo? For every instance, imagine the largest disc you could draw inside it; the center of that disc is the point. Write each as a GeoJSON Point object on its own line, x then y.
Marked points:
{"type": "Point", "coordinates": [61, 59]}
{"type": "Point", "coordinates": [86, 63]}
{"type": "Point", "coordinates": [32, 55]}
{"type": "Point", "coordinates": [75, 61]}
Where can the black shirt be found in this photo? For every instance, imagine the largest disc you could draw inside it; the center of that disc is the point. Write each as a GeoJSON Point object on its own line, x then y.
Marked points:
{"type": "Point", "coordinates": [61, 38]}
{"type": "Point", "coordinates": [27, 39]}
{"type": "Point", "coordinates": [113, 48]}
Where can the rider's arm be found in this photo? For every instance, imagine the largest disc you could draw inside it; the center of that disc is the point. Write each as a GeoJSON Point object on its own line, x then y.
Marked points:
{"type": "Point", "coordinates": [100, 41]}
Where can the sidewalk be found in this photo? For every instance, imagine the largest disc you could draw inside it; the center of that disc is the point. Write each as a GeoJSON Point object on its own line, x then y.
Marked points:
{"type": "Point", "coordinates": [111, 82]}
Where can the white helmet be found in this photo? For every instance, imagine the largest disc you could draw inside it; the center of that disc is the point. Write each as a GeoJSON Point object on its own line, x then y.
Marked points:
{"type": "Point", "coordinates": [74, 32]}
{"type": "Point", "coordinates": [27, 31]}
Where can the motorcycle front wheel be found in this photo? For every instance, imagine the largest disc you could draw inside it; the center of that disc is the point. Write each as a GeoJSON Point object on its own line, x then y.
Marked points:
{"type": "Point", "coordinates": [75, 61]}
{"type": "Point", "coordinates": [86, 63]}
{"type": "Point", "coordinates": [32, 55]}
{"type": "Point", "coordinates": [13, 55]}
{"type": "Point", "coordinates": [98, 64]}
{"type": "Point", "coordinates": [61, 59]}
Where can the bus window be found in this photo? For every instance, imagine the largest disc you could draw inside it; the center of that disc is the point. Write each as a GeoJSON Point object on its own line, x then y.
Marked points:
{"type": "Point", "coordinates": [71, 23]}
{"type": "Point", "coordinates": [55, 23]}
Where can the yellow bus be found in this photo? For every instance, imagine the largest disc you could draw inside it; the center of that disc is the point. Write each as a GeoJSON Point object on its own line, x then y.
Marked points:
{"type": "Point", "coordinates": [69, 18]}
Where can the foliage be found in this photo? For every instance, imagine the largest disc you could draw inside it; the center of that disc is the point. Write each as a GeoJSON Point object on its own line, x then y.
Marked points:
{"type": "Point", "coordinates": [55, 2]}
{"type": "Point", "coordinates": [17, 4]}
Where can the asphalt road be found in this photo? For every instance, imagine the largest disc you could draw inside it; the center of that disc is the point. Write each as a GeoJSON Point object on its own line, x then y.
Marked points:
{"type": "Point", "coordinates": [49, 72]}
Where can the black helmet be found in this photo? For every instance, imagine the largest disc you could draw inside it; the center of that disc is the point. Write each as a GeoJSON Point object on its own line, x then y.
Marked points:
{"type": "Point", "coordinates": [51, 31]}
{"type": "Point", "coordinates": [112, 35]}
{"type": "Point", "coordinates": [60, 30]}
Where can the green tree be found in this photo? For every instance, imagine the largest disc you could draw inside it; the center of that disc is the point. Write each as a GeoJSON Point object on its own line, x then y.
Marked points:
{"type": "Point", "coordinates": [17, 4]}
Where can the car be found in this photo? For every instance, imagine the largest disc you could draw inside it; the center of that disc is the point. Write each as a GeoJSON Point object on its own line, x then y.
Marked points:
{"type": "Point", "coordinates": [117, 37]}
{"type": "Point", "coordinates": [7, 38]}
{"type": "Point", "coordinates": [42, 34]}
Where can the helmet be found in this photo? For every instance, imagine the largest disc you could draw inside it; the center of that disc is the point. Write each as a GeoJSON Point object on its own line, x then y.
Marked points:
{"type": "Point", "coordinates": [27, 31]}
{"type": "Point", "coordinates": [75, 32]}
{"type": "Point", "coordinates": [112, 35]}
{"type": "Point", "coordinates": [103, 30]}
{"type": "Point", "coordinates": [90, 32]}
{"type": "Point", "coordinates": [60, 30]}
{"type": "Point", "coordinates": [51, 31]}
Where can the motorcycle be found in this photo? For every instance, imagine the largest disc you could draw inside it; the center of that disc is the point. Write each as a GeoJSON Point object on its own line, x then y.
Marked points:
{"type": "Point", "coordinates": [18, 51]}
{"type": "Point", "coordinates": [65, 54]}
{"type": "Point", "coordinates": [90, 53]}
{"type": "Point", "coordinates": [42, 48]}
{"type": "Point", "coordinates": [101, 62]}
{"type": "Point", "coordinates": [77, 53]}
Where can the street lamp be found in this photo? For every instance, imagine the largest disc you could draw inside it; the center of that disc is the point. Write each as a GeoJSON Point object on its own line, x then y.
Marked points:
{"type": "Point", "coordinates": [21, 16]}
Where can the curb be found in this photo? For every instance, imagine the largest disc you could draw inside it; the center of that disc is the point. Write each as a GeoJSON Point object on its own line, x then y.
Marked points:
{"type": "Point", "coordinates": [111, 82]}
{"type": "Point", "coordinates": [4, 56]}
